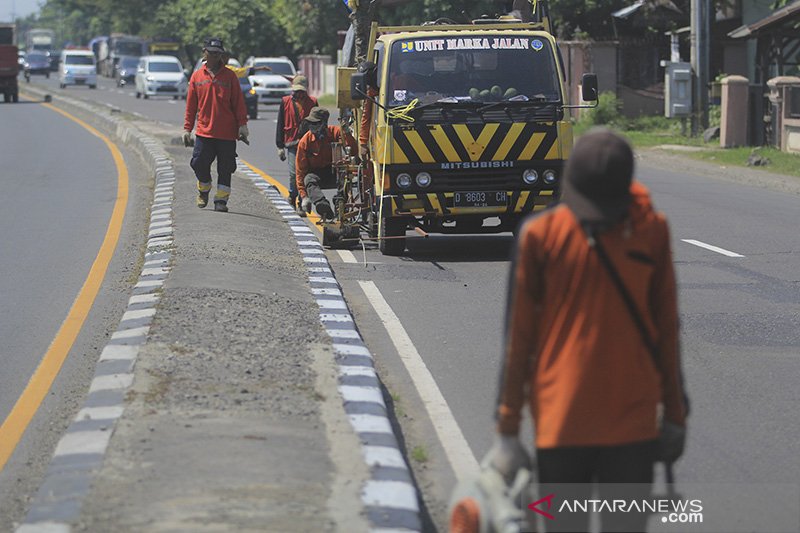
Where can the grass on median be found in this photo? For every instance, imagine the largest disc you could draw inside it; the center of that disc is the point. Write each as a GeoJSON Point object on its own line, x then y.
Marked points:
{"type": "Point", "coordinates": [651, 131]}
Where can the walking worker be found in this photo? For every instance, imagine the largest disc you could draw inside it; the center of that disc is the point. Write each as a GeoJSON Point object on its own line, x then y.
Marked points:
{"type": "Point", "coordinates": [216, 101]}
{"type": "Point", "coordinates": [293, 110]}
{"type": "Point", "coordinates": [314, 160]}
{"type": "Point", "coordinates": [592, 336]}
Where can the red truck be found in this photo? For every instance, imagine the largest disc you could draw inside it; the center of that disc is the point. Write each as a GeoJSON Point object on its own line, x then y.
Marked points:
{"type": "Point", "coordinates": [9, 64]}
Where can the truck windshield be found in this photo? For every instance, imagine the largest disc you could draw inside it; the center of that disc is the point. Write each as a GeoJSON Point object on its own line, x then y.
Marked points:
{"type": "Point", "coordinates": [483, 68]}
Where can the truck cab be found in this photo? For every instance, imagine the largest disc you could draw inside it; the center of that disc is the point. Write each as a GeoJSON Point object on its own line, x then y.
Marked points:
{"type": "Point", "coordinates": [469, 127]}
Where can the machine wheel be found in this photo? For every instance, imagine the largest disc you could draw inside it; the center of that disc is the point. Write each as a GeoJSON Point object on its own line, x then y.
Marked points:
{"type": "Point", "coordinates": [392, 227]}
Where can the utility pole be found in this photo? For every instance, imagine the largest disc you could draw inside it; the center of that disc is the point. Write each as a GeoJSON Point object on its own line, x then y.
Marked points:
{"type": "Point", "coordinates": [701, 43]}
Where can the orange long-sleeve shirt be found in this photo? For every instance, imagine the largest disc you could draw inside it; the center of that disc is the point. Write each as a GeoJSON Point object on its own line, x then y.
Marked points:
{"type": "Point", "coordinates": [315, 154]}
{"type": "Point", "coordinates": [572, 348]}
{"type": "Point", "coordinates": [217, 102]}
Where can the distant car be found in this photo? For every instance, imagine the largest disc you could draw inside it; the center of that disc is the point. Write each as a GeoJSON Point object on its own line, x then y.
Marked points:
{"type": "Point", "coordinates": [125, 70]}
{"type": "Point", "coordinates": [250, 98]}
{"type": "Point", "coordinates": [55, 60]}
{"type": "Point", "coordinates": [36, 63]}
{"type": "Point", "coordinates": [157, 75]}
{"type": "Point", "coordinates": [272, 86]}
{"type": "Point", "coordinates": [78, 67]}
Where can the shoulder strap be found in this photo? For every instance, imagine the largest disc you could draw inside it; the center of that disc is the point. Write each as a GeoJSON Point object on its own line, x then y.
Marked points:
{"type": "Point", "coordinates": [594, 242]}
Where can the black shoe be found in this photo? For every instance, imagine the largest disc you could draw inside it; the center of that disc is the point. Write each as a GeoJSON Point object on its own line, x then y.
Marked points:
{"type": "Point", "coordinates": [221, 206]}
{"type": "Point", "coordinates": [324, 210]}
{"type": "Point", "coordinates": [202, 199]}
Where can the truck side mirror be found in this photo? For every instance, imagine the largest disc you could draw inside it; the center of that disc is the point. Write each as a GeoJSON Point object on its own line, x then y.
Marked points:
{"type": "Point", "coordinates": [358, 86]}
{"type": "Point", "coordinates": [589, 88]}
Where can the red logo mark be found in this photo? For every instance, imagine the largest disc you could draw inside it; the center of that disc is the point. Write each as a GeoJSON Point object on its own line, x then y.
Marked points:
{"type": "Point", "coordinates": [534, 506]}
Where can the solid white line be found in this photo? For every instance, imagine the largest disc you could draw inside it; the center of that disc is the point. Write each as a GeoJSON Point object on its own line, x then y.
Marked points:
{"type": "Point", "coordinates": [717, 249]}
{"type": "Point", "coordinates": [347, 256]}
{"type": "Point", "coordinates": [455, 445]}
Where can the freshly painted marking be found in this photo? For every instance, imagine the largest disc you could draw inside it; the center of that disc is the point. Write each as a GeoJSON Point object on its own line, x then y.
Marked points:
{"type": "Point", "coordinates": [309, 243]}
{"type": "Point", "coordinates": [315, 260]}
{"type": "Point", "coordinates": [367, 371]}
{"type": "Point", "coordinates": [161, 224]}
{"type": "Point", "coordinates": [28, 403]}
{"type": "Point", "coordinates": [347, 256]}
{"type": "Point", "coordinates": [343, 333]}
{"type": "Point", "coordinates": [44, 527]}
{"type": "Point", "coordinates": [361, 394]}
{"type": "Point", "coordinates": [138, 313]}
{"type": "Point", "coordinates": [331, 304]}
{"type": "Point", "coordinates": [383, 456]}
{"type": "Point", "coordinates": [112, 382]}
{"type": "Point", "coordinates": [452, 439]}
{"type": "Point", "coordinates": [148, 284]}
{"type": "Point", "coordinates": [322, 279]}
{"type": "Point", "coordinates": [713, 248]}
{"type": "Point", "coordinates": [116, 352]}
{"type": "Point", "coordinates": [312, 251]}
{"type": "Point", "coordinates": [370, 424]}
{"type": "Point", "coordinates": [349, 349]}
{"type": "Point", "coordinates": [328, 292]}
{"type": "Point", "coordinates": [83, 442]}
{"type": "Point", "coordinates": [391, 494]}
{"type": "Point", "coordinates": [100, 413]}
{"type": "Point", "coordinates": [143, 299]}
{"type": "Point", "coordinates": [155, 271]}
{"type": "Point", "coordinates": [332, 317]}
{"type": "Point", "coordinates": [130, 333]}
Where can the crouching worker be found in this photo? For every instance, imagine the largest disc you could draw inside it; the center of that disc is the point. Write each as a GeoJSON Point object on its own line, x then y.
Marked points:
{"type": "Point", "coordinates": [314, 159]}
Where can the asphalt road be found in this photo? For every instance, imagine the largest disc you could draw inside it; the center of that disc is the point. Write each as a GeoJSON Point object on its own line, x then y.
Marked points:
{"type": "Point", "coordinates": [60, 187]}
{"type": "Point", "coordinates": [740, 315]}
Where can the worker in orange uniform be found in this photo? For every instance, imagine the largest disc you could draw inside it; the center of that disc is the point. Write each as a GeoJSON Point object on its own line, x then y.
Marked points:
{"type": "Point", "coordinates": [216, 102]}
{"type": "Point", "coordinates": [314, 159]}
{"type": "Point", "coordinates": [592, 340]}
{"type": "Point", "coordinates": [293, 110]}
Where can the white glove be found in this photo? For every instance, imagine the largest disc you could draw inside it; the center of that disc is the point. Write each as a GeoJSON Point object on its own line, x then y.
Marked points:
{"type": "Point", "coordinates": [507, 456]}
{"type": "Point", "coordinates": [244, 133]}
{"type": "Point", "coordinates": [187, 138]}
{"type": "Point", "coordinates": [282, 153]}
{"type": "Point", "coordinates": [306, 204]}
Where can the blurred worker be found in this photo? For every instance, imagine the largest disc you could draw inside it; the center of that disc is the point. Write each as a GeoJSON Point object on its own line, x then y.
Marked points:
{"type": "Point", "coordinates": [293, 110]}
{"type": "Point", "coordinates": [597, 360]}
{"type": "Point", "coordinates": [314, 159]}
{"type": "Point", "coordinates": [215, 99]}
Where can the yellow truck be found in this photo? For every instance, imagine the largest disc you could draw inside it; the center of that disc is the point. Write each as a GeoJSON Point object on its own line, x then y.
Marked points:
{"type": "Point", "coordinates": [467, 127]}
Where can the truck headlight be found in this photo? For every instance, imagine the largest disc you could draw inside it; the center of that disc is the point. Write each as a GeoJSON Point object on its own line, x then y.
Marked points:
{"type": "Point", "coordinates": [530, 176]}
{"type": "Point", "coordinates": [404, 180]}
{"type": "Point", "coordinates": [549, 176]}
{"type": "Point", "coordinates": [423, 179]}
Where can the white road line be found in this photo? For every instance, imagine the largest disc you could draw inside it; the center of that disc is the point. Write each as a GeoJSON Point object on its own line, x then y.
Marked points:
{"type": "Point", "coordinates": [717, 249]}
{"type": "Point", "coordinates": [347, 256]}
{"type": "Point", "coordinates": [455, 445]}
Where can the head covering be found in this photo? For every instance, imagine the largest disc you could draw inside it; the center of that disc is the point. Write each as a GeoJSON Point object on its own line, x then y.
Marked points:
{"type": "Point", "coordinates": [597, 177]}
{"type": "Point", "coordinates": [214, 44]}
{"type": "Point", "coordinates": [318, 114]}
{"type": "Point", "coordinates": [300, 83]}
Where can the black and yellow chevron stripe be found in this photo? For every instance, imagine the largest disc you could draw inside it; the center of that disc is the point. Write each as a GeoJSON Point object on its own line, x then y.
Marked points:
{"type": "Point", "coordinates": [439, 143]}
{"type": "Point", "coordinates": [440, 203]}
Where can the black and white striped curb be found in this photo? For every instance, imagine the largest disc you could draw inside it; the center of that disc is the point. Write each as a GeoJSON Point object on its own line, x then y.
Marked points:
{"type": "Point", "coordinates": [80, 452]}
{"type": "Point", "coordinates": [389, 496]}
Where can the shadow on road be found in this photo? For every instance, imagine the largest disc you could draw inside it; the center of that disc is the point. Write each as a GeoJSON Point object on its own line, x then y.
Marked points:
{"type": "Point", "coordinates": [460, 248]}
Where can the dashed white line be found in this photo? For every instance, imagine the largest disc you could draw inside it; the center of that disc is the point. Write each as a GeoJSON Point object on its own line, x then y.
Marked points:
{"type": "Point", "coordinates": [713, 248]}
{"type": "Point", "coordinates": [450, 436]}
{"type": "Point", "coordinates": [347, 256]}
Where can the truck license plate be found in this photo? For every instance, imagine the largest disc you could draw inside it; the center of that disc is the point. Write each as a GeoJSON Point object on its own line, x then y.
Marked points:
{"type": "Point", "coordinates": [480, 199]}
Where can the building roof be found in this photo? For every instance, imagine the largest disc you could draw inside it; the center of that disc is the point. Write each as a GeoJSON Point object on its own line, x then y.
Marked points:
{"type": "Point", "coordinates": [775, 21]}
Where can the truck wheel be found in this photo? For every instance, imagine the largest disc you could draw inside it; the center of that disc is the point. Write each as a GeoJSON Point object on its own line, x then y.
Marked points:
{"type": "Point", "coordinates": [15, 98]}
{"type": "Point", "coordinates": [253, 115]}
{"type": "Point", "coordinates": [6, 97]}
{"type": "Point", "coordinates": [393, 227]}
{"type": "Point", "coordinates": [138, 94]}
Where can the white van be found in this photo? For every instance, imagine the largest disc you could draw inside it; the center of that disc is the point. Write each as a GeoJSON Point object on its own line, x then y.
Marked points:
{"type": "Point", "coordinates": [77, 67]}
{"type": "Point", "coordinates": [160, 75]}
